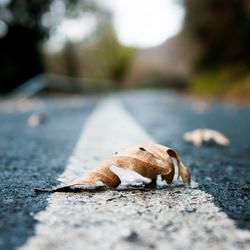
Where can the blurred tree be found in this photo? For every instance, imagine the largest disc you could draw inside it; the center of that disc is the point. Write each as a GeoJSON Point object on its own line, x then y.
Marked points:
{"type": "Point", "coordinates": [98, 56]}
{"type": "Point", "coordinates": [222, 27]}
{"type": "Point", "coordinates": [71, 59]}
{"type": "Point", "coordinates": [105, 57]}
{"type": "Point", "coordinates": [24, 24]}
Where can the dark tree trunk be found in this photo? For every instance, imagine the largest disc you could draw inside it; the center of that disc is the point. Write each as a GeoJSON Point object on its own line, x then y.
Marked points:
{"type": "Point", "coordinates": [20, 57]}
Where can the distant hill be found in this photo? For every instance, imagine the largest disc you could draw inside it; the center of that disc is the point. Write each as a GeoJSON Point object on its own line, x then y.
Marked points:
{"type": "Point", "coordinates": [171, 63]}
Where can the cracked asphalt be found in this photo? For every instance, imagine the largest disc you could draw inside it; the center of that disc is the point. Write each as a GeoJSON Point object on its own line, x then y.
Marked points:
{"type": "Point", "coordinates": [213, 213]}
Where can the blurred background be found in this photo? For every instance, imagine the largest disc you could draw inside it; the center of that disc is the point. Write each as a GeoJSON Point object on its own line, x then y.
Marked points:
{"type": "Point", "coordinates": [199, 47]}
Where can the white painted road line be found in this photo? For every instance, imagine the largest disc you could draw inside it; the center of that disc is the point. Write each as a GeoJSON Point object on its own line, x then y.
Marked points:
{"type": "Point", "coordinates": [109, 128]}
{"type": "Point", "coordinates": [101, 220]}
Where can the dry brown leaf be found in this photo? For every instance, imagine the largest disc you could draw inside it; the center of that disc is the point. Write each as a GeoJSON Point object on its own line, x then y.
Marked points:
{"type": "Point", "coordinates": [149, 160]}
{"type": "Point", "coordinates": [36, 119]}
{"type": "Point", "coordinates": [198, 136]}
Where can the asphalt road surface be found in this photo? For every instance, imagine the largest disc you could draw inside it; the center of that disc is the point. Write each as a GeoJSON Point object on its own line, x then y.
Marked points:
{"type": "Point", "coordinates": [76, 134]}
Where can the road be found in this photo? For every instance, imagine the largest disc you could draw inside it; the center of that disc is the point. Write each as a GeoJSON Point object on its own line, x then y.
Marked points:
{"type": "Point", "coordinates": [78, 133]}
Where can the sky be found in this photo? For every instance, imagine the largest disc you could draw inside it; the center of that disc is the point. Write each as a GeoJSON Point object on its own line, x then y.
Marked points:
{"type": "Point", "coordinates": [145, 23]}
{"type": "Point", "coordinates": [140, 23]}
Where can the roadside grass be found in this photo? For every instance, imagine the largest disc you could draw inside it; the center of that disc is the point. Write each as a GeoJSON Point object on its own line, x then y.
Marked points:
{"type": "Point", "coordinates": [231, 83]}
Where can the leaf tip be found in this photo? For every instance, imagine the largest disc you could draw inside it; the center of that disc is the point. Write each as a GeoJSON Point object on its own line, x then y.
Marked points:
{"type": "Point", "coordinates": [185, 175]}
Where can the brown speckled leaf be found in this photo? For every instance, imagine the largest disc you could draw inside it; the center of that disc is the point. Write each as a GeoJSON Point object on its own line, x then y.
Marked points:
{"type": "Point", "coordinates": [148, 160]}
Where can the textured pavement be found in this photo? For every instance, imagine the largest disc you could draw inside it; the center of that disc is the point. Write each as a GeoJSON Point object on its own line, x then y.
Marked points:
{"type": "Point", "coordinates": [212, 213]}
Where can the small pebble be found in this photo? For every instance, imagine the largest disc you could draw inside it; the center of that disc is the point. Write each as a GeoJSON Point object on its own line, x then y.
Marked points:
{"type": "Point", "coordinates": [132, 236]}
{"type": "Point", "coordinates": [189, 210]}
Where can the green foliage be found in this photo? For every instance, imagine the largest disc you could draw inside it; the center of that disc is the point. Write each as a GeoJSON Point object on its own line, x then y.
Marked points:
{"type": "Point", "coordinates": [226, 81]}
{"type": "Point", "coordinates": [26, 14]}
{"type": "Point", "coordinates": [222, 28]}
{"type": "Point", "coordinates": [30, 14]}
{"type": "Point", "coordinates": [105, 57]}
{"type": "Point", "coordinates": [100, 56]}
{"type": "Point", "coordinates": [209, 82]}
